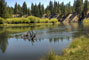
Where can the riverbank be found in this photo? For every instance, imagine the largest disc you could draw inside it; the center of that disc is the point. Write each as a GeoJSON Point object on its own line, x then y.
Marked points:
{"type": "Point", "coordinates": [24, 25]}
{"type": "Point", "coordinates": [78, 50]}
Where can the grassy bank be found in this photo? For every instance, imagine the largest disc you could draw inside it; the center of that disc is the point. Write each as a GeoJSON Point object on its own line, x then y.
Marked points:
{"type": "Point", "coordinates": [78, 50]}
{"type": "Point", "coordinates": [30, 24]}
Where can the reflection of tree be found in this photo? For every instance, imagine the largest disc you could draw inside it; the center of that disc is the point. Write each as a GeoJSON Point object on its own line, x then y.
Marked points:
{"type": "Point", "coordinates": [3, 41]}
{"type": "Point", "coordinates": [82, 30]}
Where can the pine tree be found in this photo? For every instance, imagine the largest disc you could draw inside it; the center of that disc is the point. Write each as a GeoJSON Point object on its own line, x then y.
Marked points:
{"type": "Point", "coordinates": [24, 8]}
{"type": "Point", "coordinates": [85, 9]}
{"type": "Point", "coordinates": [16, 8]}
{"type": "Point", "coordinates": [43, 9]}
{"type": "Point", "coordinates": [62, 9]}
{"type": "Point", "coordinates": [55, 7]}
{"type": "Point", "coordinates": [3, 9]}
{"type": "Point", "coordinates": [59, 9]}
{"type": "Point", "coordinates": [32, 9]}
{"type": "Point", "coordinates": [19, 9]}
{"type": "Point", "coordinates": [78, 6]}
{"type": "Point", "coordinates": [9, 12]}
{"type": "Point", "coordinates": [36, 11]}
{"type": "Point", "coordinates": [69, 10]}
{"type": "Point", "coordinates": [29, 12]}
{"type": "Point", "coordinates": [51, 7]}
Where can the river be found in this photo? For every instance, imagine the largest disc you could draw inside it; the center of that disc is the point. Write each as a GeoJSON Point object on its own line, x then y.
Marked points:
{"type": "Point", "coordinates": [56, 38]}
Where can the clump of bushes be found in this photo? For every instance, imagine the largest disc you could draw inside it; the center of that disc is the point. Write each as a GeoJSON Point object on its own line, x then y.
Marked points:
{"type": "Point", "coordinates": [53, 20]}
{"type": "Point", "coordinates": [29, 19]}
{"type": "Point", "coordinates": [1, 20]}
{"type": "Point", "coordinates": [44, 20]}
{"type": "Point", "coordinates": [34, 19]}
{"type": "Point", "coordinates": [17, 20]}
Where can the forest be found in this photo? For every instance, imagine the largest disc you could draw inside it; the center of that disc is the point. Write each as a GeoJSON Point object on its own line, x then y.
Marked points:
{"type": "Point", "coordinates": [79, 7]}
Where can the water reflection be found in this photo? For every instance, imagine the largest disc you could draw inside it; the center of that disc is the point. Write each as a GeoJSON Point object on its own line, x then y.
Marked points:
{"type": "Point", "coordinates": [3, 41]}
{"type": "Point", "coordinates": [57, 37]}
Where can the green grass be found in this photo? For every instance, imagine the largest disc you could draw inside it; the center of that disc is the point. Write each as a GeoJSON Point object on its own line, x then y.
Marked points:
{"type": "Point", "coordinates": [24, 24]}
{"type": "Point", "coordinates": [78, 50]}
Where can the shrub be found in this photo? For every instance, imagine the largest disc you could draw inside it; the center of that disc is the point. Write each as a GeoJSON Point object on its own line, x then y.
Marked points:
{"type": "Point", "coordinates": [53, 20]}
{"type": "Point", "coordinates": [34, 19]}
{"type": "Point", "coordinates": [17, 20]}
{"type": "Point", "coordinates": [86, 21]}
{"type": "Point", "coordinates": [1, 20]}
{"type": "Point", "coordinates": [44, 20]}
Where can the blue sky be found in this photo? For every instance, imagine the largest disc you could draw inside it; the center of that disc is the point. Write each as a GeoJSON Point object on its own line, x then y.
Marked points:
{"type": "Point", "coordinates": [45, 2]}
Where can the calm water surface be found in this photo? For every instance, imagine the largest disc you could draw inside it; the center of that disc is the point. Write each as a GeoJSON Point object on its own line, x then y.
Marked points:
{"type": "Point", "coordinates": [56, 38]}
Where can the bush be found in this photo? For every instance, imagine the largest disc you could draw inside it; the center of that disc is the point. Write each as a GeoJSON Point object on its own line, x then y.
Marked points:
{"type": "Point", "coordinates": [17, 20]}
{"type": "Point", "coordinates": [53, 20]}
{"type": "Point", "coordinates": [44, 20]}
{"type": "Point", "coordinates": [1, 20]}
{"type": "Point", "coordinates": [30, 19]}
{"type": "Point", "coordinates": [34, 19]}
{"type": "Point", "coordinates": [86, 21]}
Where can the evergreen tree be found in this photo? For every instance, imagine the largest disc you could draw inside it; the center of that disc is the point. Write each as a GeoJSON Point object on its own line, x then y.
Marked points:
{"type": "Point", "coordinates": [41, 9]}
{"type": "Point", "coordinates": [85, 9]}
{"type": "Point", "coordinates": [16, 9]}
{"type": "Point", "coordinates": [32, 9]}
{"type": "Point", "coordinates": [36, 11]}
{"type": "Point", "coordinates": [63, 13]}
{"type": "Point", "coordinates": [69, 9]}
{"type": "Point", "coordinates": [55, 7]}
{"type": "Point", "coordinates": [3, 9]}
{"type": "Point", "coordinates": [9, 12]}
{"type": "Point", "coordinates": [59, 9]}
{"type": "Point", "coordinates": [51, 7]}
{"type": "Point", "coordinates": [29, 12]}
{"type": "Point", "coordinates": [78, 6]}
{"type": "Point", "coordinates": [24, 8]}
{"type": "Point", "coordinates": [19, 9]}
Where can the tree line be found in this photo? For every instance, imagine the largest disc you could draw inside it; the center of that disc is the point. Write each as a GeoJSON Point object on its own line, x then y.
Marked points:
{"type": "Point", "coordinates": [54, 8]}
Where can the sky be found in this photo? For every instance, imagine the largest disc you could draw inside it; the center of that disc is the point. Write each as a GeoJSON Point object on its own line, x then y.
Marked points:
{"type": "Point", "coordinates": [45, 2]}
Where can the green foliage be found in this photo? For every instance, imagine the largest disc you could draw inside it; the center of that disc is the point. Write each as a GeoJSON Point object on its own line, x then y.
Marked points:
{"type": "Point", "coordinates": [17, 20]}
{"type": "Point", "coordinates": [28, 20]}
{"type": "Point", "coordinates": [44, 20]}
{"type": "Point", "coordinates": [1, 20]}
{"type": "Point", "coordinates": [34, 19]}
{"type": "Point", "coordinates": [53, 20]}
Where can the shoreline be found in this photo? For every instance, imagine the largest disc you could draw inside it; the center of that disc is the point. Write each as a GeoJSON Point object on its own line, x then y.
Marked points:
{"type": "Point", "coordinates": [24, 25]}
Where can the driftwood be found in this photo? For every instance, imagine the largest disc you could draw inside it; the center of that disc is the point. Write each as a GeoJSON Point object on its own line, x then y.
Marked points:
{"type": "Point", "coordinates": [30, 35]}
